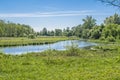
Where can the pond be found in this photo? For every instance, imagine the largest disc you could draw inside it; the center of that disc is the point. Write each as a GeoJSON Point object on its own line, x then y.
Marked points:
{"type": "Point", "coordinates": [61, 45]}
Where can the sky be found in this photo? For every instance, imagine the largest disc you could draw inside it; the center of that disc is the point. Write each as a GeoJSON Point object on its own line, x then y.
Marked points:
{"type": "Point", "coordinates": [53, 13]}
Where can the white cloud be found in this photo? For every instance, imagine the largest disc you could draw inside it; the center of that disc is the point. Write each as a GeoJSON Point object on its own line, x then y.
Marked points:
{"type": "Point", "coordinates": [51, 14]}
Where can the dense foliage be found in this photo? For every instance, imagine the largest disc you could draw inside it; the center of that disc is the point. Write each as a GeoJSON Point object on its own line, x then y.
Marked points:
{"type": "Point", "coordinates": [8, 29]}
{"type": "Point", "coordinates": [109, 30]}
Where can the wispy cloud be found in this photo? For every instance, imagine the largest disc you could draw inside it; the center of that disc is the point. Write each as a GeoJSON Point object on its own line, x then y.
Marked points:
{"type": "Point", "coordinates": [51, 14]}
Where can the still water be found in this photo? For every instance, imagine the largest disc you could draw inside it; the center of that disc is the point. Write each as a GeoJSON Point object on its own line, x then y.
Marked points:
{"type": "Point", "coordinates": [39, 48]}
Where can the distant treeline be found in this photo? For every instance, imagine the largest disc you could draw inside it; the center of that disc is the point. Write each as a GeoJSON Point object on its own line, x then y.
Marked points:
{"type": "Point", "coordinates": [109, 30]}
{"type": "Point", "coordinates": [8, 29]}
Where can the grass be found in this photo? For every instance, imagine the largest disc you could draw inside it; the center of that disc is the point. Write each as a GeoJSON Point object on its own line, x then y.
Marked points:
{"type": "Point", "coordinates": [103, 41]}
{"type": "Point", "coordinates": [4, 42]}
{"type": "Point", "coordinates": [59, 65]}
{"type": "Point", "coordinates": [100, 63]}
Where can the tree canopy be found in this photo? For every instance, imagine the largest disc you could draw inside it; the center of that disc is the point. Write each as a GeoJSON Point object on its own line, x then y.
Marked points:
{"type": "Point", "coordinates": [109, 30]}
{"type": "Point", "coordinates": [115, 19]}
{"type": "Point", "coordinates": [8, 29]}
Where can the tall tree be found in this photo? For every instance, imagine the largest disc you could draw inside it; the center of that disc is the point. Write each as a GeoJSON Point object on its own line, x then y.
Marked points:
{"type": "Point", "coordinates": [8, 29]}
{"type": "Point", "coordinates": [115, 19]}
{"type": "Point", "coordinates": [58, 32]}
{"type": "Point", "coordinates": [89, 22]}
{"type": "Point", "coordinates": [44, 32]}
{"type": "Point", "coordinates": [52, 33]}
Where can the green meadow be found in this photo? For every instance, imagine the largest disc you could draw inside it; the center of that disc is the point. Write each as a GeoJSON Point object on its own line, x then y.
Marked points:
{"type": "Point", "coordinates": [102, 63]}
{"type": "Point", "coordinates": [22, 41]}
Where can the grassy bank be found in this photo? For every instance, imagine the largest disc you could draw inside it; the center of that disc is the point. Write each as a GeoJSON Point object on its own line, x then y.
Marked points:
{"type": "Point", "coordinates": [26, 41]}
{"type": "Point", "coordinates": [72, 64]}
{"type": "Point", "coordinates": [104, 41]}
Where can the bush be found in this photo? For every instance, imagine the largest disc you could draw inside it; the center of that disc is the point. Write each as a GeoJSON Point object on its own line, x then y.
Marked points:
{"type": "Point", "coordinates": [111, 39]}
{"type": "Point", "coordinates": [102, 38]}
{"type": "Point", "coordinates": [31, 36]}
{"type": "Point", "coordinates": [72, 50]}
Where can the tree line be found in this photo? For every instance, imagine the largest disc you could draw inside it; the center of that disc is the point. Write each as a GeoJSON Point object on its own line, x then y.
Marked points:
{"type": "Point", "coordinates": [109, 30]}
{"type": "Point", "coordinates": [9, 29]}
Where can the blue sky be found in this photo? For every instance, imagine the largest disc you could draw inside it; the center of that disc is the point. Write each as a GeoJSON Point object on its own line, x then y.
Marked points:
{"type": "Point", "coordinates": [53, 13]}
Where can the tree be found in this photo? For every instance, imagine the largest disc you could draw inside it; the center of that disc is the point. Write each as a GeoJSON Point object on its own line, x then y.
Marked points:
{"type": "Point", "coordinates": [115, 3]}
{"type": "Point", "coordinates": [1, 32]}
{"type": "Point", "coordinates": [8, 29]}
{"type": "Point", "coordinates": [111, 30]}
{"type": "Point", "coordinates": [85, 34]}
{"type": "Point", "coordinates": [115, 19]}
{"type": "Point", "coordinates": [68, 32]}
{"type": "Point", "coordinates": [89, 22]}
{"type": "Point", "coordinates": [96, 32]}
{"type": "Point", "coordinates": [44, 32]}
{"type": "Point", "coordinates": [58, 32]}
{"type": "Point", "coordinates": [31, 36]}
{"type": "Point", "coordinates": [52, 33]}
{"type": "Point", "coordinates": [67, 29]}
{"type": "Point", "coordinates": [78, 31]}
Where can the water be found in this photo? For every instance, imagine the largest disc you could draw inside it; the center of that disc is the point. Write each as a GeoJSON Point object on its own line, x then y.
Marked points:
{"type": "Point", "coordinates": [39, 48]}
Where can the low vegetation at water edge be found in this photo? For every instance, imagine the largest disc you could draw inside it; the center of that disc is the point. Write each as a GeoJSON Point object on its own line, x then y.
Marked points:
{"type": "Point", "coordinates": [21, 41]}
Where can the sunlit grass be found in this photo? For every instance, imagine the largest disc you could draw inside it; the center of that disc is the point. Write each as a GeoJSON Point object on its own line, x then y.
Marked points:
{"type": "Point", "coordinates": [59, 65]}
{"type": "Point", "coordinates": [26, 41]}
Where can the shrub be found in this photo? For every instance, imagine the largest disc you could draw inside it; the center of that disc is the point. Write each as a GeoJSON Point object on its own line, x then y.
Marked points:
{"type": "Point", "coordinates": [111, 39]}
{"type": "Point", "coordinates": [31, 36]}
{"type": "Point", "coordinates": [102, 38]}
{"type": "Point", "coordinates": [72, 50]}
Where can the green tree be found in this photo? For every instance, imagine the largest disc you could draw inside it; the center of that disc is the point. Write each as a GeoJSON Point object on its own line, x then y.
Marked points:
{"type": "Point", "coordinates": [44, 32]}
{"type": "Point", "coordinates": [89, 22]}
{"type": "Point", "coordinates": [31, 36]}
{"type": "Point", "coordinates": [78, 31]}
{"type": "Point", "coordinates": [95, 33]}
{"type": "Point", "coordinates": [115, 19]}
{"type": "Point", "coordinates": [111, 30]}
{"type": "Point", "coordinates": [9, 29]}
{"type": "Point", "coordinates": [85, 34]}
{"type": "Point", "coordinates": [68, 32]}
{"type": "Point", "coordinates": [52, 33]}
{"type": "Point", "coordinates": [58, 32]}
{"type": "Point", "coordinates": [1, 32]}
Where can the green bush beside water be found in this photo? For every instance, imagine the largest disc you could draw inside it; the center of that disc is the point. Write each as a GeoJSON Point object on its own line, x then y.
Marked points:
{"type": "Point", "coordinates": [98, 64]}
